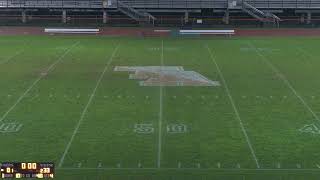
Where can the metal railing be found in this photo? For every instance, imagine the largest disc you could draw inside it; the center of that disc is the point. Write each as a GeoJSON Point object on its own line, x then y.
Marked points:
{"type": "Point", "coordinates": [189, 4]}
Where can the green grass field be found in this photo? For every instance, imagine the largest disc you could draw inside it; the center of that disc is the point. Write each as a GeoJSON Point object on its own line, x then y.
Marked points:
{"type": "Point", "coordinates": [65, 104]}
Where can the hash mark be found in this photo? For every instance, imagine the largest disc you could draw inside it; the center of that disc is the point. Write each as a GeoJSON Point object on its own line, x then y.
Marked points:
{"type": "Point", "coordinates": [238, 166]}
{"type": "Point", "coordinates": [219, 165]}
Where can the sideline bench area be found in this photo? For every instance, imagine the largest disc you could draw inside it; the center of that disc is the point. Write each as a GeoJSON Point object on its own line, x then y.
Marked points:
{"type": "Point", "coordinates": [207, 32]}
{"type": "Point", "coordinates": [71, 31]}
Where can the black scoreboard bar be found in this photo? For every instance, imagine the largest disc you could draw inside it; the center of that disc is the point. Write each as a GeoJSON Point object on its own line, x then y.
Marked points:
{"type": "Point", "coordinates": [26, 170]}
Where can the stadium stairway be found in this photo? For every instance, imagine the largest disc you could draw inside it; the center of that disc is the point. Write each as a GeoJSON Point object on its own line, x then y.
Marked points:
{"type": "Point", "coordinates": [140, 16]}
{"type": "Point", "coordinates": [258, 14]}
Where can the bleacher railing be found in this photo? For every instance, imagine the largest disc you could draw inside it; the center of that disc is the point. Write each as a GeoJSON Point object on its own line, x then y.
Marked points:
{"type": "Point", "coordinates": [190, 4]}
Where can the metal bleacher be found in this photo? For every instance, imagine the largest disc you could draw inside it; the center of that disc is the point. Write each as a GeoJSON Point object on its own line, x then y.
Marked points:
{"type": "Point", "coordinates": [160, 4]}
{"type": "Point", "coordinates": [139, 10]}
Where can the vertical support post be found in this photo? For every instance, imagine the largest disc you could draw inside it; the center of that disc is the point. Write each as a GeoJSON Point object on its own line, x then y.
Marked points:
{"type": "Point", "coordinates": [23, 16]}
{"type": "Point", "coordinates": [186, 17]}
{"type": "Point", "coordinates": [302, 20]}
{"type": "Point", "coordinates": [104, 3]}
{"type": "Point", "coordinates": [64, 16]}
{"type": "Point", "coordinates": [308, 17]}
{"type": "Point", "coordinates": [105, 17]}
{"type": "Point", "coordinates": [226, 16]}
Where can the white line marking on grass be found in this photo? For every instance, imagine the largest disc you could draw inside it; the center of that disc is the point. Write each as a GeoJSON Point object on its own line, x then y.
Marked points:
{"type": "Point", "coordinates": [194, 169]}
{"type": "Point", "coordinates": [10, 127]}
{"type": "Point", "coordinates": [278, 165]}
{"type": "Point", "coordinates": [238, 166]}
{"type": "Point", "coordinates": [299, 166]}
{"type": "Point", "coordinates": [160, 114]}
{"type": "Point", "coordinates": [36, 81]}
{"type": "Point", "coordinates": [219, 165]}
{"type": "Point", "coordinates": [11, 57]}
{"type": "Point", "coordinates": [235, 109]}
{"type": "Point", "coordinates": [285, 80]}
{"type": "Point", "coordinates": [318, 166]}
{"type": "Point", "coordinates": [86, 107]}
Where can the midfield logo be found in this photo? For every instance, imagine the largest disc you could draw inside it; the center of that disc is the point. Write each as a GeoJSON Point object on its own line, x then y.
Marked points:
{"type": "Point", "coordinates": [166, 76]}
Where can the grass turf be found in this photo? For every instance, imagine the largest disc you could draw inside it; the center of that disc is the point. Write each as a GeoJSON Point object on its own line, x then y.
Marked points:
{"type": "Point", "coordinates": [269, 91]}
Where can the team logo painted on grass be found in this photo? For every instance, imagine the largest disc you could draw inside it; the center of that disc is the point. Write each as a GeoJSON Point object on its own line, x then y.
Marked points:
{"type": "Point", "coordinates": [310, 128]}
{"type": "Point", "coordinates": [10, 127]}
{"type": "Point", "coordinates": [166, 76]}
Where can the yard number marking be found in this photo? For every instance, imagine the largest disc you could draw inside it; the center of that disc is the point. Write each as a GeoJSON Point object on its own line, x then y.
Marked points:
{"type": "Point", "coordinates": [143, 128]}
{"type": "Point", "coordinates": [10, 127]}
{"type": "Point", "coordinates": [176, 128]}
{"type": "Point", "coordinates": [310, 128]}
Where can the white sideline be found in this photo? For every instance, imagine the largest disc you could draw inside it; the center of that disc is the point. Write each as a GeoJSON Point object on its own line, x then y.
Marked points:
{"type": "Point", "coordinates": [86, 107]}
{"type": "Point", "coordinates": [285, 80]}
{"type": "Point", "coordinates": [37, 80]}
{"type": "Point", "coordinates": [235, 109]}
{"type": "Point", "coordinates": [192, 169]}
{"type": "Point", "coordinates": [160, 114]}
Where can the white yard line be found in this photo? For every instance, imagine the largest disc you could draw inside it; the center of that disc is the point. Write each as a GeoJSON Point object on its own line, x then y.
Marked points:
{"type": "Point", "coordinates": [36, 81]}
{"type": "Point", "coordinates": [193, 169]}
{"type": "Point", "coordinates": [86, 107]}
{"type": "Point", "coordinates": [235, 109]}
{"type": "Point", "coordinates": [160, 114]}
{"type": "Point", "coordinates": [12, 56]}
{"type": "Point", "coordinates": [285, 80]}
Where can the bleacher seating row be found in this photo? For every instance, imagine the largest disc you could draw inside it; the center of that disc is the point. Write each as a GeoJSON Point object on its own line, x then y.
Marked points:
{"type": "Point", "coordinates": [265, 4]}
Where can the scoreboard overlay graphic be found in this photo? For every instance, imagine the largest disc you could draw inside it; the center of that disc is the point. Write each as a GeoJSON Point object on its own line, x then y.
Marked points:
{"type": "Point", "coordinates": [26, 170]}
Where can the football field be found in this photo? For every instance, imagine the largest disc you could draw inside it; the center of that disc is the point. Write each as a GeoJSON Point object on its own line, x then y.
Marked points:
{"type": "Point", "coordinates": [61, 101]}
